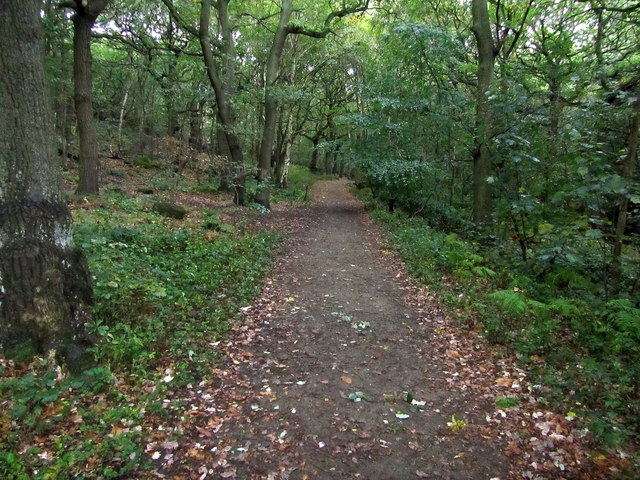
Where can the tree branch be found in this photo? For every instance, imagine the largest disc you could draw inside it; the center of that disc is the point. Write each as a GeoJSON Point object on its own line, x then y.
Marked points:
{"type": "Point", "coordinates": [361, 6]}
{"type": "Point", "coordinates": [178, 18]}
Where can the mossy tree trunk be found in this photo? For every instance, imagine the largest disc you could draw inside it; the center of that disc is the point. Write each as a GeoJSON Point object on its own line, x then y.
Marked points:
{"type": "Point", "coordinates": [45, 287]}
{"type": "Point", "coordinates": [226, 115]}
{"type": "Point", "coordinates": [85, 16]}
{"type": "Point", "coordinates": [271, 104]}
{"type": "Point", "coordinates": [481, 157]}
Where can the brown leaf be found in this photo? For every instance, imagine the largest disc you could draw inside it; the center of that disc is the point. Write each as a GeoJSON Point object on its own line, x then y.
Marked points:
{"type": "Point", "coordinates": [504, 381]}
{"type": "Point", "coordinates": [346, 379]}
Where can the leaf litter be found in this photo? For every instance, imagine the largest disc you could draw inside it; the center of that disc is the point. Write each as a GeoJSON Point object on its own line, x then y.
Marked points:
{"type": "Point", "coordinates": [226, 427]}
{"type": "Point", "coordinates": [538, 442]}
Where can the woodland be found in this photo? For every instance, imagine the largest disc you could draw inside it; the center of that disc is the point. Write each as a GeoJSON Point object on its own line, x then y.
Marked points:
{"type": "Point", "coordinates": [495, 142]}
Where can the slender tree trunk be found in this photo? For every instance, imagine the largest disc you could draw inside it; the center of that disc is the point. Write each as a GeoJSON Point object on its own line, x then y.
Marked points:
{"type": "Point", "coordinates": [284, 155]}
{"type": "Point", "coordinates": [226, 175]}
{"type": "Point", "coordinates": [225, 114]}
{"type": "Point", "coordinates": [335, 169]}
{"type": "Point", "coordinates": [329, 158]}
{"type": "Point", "coordinates": [314, 155]}
{"type": "Point", "coordinates": [87, 136]}
{"type": "Point", "coordinates": [173, 125]}
{"type": "Point", "coordinates": [481, 157]}
{"type": "Point", "coordinates": [45, 286]}
{"type": "Point", "coordinates": [271, 104]}
{"type": "Point", "coordinates": [123, 106]}
{"type": "Point", "coordinates": [628, 167]}
{"type": "Point", "coordinates": [196, 139]}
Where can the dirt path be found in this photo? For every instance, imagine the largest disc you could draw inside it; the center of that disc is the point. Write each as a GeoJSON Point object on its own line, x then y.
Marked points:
{"type": "Point", "coordinates": [324, 372]}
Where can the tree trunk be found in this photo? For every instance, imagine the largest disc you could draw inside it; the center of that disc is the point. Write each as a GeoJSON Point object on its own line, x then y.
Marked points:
{"type": "Point", "coordinates": [173, 124]}
{"type": "Point", "coordinates": [123, 106]}
{"type": "Point", "coordinates": [284, 153]}
{"type": "Point", "coordinates": [481, 157]}
{"type": "Point", "coordinates": [84, 18]}
{"type": "Point", "coordinates": [45, 286]}
{"type": "Point", "coordinates": [196, 139]}
{"type": "Point", "coordinates": [315, 154]}
{"type": "Point", "coordinates": [628, 165]}
{"type": "Point", "coordinates": [271, 104]}
{"type": "Point", "coordinates": [225, 114]}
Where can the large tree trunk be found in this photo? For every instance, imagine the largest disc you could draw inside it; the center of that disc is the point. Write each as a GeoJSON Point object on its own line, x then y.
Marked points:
{"type": "Point", "coordinates": [271, 104]}
{"type": "Point", "coordinates": [44, 282]}
{"type": "Point", "coordinates": [84, 18]}
{"type": "Point", "coordinates": [481, 157]}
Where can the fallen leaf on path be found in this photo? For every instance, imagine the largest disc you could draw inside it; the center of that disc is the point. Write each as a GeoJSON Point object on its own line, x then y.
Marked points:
{"type": "Point", "coordinates": [504, 382]}
{"type": "Point", "coordinates": [346, 379]}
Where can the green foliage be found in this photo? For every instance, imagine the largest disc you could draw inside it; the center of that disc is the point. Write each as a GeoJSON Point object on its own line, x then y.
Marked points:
{"type": "Point", "coordinates": [299, 183]}
{"type": "Point", "coordinates": [30, 395]}
{"type": "Point", "coordinates": [150, 280]}
{"type": "Point", "coordinates": [212, 222]}
{"type": "Point", "coordinates": [506, 402]}
{"type": "Point", "coordinates": [145, 161]}
{"type": "Point", "coordinates": [163, 297]}
{"type": "Point", "coordinates": [591, 348]}
{"type": "Point", "coordinates": [12, 466]}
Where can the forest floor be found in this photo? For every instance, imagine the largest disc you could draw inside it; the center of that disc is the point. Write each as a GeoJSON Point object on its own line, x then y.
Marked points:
{"type": "Point", "coordinates": [344, 369]}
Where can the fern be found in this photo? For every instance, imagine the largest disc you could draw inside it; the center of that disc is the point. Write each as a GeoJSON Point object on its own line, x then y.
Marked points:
{"type": "Point", "coordinates": [565, 308]}
{"type": "Point", "coordinates": [510, 302]}
{"type": "Point", "coordinates": [624, 317]}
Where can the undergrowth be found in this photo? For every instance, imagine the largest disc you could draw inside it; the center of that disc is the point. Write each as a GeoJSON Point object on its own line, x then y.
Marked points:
{"type": "Point", "coordinates": [299, 183]}
{"type": "Point", "coordinates": [164, 294]}
{"type": "Point", "coordinates": [584, 348]}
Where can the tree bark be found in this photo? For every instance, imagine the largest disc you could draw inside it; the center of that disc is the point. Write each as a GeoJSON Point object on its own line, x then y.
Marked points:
{"type": "Point", "coordinates": [271, 104]}
{"type": "Point", "coordinates": [314, 155]}
{"type": "Point", "coordinates": [45, 287]}
{"type": "Point", "coordinates": [123, 106]}
{"type": "Point", "coordinates": [481, 158]}
{"type": "Point", "coordinates": [225, 114]}
{"type": "Point", "coordinates": [86, 13]}
{"type": "Point", "coordinates": [283, 160]}
{"type": "Point", "coordinates": [196, 138]}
